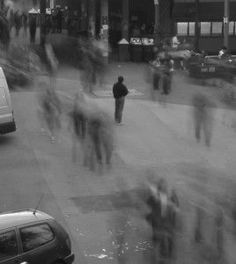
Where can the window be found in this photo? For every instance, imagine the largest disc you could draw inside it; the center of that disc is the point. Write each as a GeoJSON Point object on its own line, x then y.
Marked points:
{"type": "Point", "coordinates": [191, 28]}
{"type": "Point", "coordinates": [3, 100]}
{"type": "Point", "coordinates": [217, 27]}
{"type": "Point", "coordinates": [231, 28]}
{"type": "Point", "coordinates": [36, 236]}
{"type": "Point", "coordinates": [205, 28]}
{"type": "Point", "coordinates": [8, 245]}
{"type": "Point", "coordinates": [182, 29]}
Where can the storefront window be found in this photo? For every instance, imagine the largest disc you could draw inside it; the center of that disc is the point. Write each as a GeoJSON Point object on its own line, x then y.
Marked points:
{"type": "Point", "coordinates": [205, 28]}
{"type": "Point", "coordinates": [182, 29]}
{"type": "Point", "coordinates": [216, 27]}
{"type": "Point", "coordinates": [191, 28]}
{"type": "Point", "coordinates": [231, 27]}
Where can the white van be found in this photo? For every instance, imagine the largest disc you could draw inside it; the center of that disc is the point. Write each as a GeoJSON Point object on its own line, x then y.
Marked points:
{"type": "Point", "coordinates": [7, 122]}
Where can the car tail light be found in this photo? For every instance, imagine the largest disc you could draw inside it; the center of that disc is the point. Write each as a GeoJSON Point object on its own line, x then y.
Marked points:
{"type": "Point", "coordinates": [68, 243]}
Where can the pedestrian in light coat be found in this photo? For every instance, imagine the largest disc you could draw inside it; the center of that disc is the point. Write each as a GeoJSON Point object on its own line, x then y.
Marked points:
{"type": "Point", "coordinates": [203, 117]}
{"type": "Point", "coordinates": [119, 93]}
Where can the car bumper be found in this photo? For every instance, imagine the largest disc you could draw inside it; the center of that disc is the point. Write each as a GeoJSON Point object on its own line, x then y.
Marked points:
{"type": "Point", "coordinates": [7, 127]}
{"type": "Point", "coordinates": [69, 259]}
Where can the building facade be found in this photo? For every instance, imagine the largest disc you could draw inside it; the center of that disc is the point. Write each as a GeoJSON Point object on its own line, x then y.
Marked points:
{"type": "Point", "coordinates": [120, 17]}
{"type": "Point", "coordinates": [198, 21]}
{"type": "Point", "coordinates": [206, 17]}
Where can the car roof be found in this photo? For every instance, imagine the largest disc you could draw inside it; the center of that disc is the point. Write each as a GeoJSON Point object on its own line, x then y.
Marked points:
{"type": "Point", "coordinates": [21, 217]}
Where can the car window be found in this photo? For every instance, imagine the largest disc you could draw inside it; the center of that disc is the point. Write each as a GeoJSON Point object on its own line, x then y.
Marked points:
{"type": "Point", "coordinates": [3, 101]}
{"type": "Point", "coordinates": [8, 245]}
{"type": "Point", "coordinates": [35, 236]}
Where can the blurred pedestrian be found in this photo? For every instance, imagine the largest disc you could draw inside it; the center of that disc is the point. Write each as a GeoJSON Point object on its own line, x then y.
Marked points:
{"type": "Point", "coordinates": [59, 20]}
{"type": "Point", "coordinates": [78, 121]}
{"type": "Point", "coordinates": [4, 33]}
{"type": "Point", "coordinates": [175, 42]}
{"type": "Point", "coordinates": [50, 111]}
{"type": "Point", "coordinates": [222, 53]}
{"type": "Point", "coordinates": [100, 140]}
{"type": "Point", "coordinates": [198, 231]}
{"type": "Point", "coordinates": [17, 22]}
{"type": "Point", "coordinates": [93, 64]}
{"type": "Point", "coordinates": [203, 117]}
{"type": "Point", "coordinates": [54, 20]}
{"type": "Point", "coordinates": [24, 18]}
{"type": "Point", "coordinates": [32, 27]}
{"type": "Point", "coordinates": [11, 19]}
{"type": "Point", "coordinates": [162, 219]}
{"type": "Point", "coordinates": [48, 24]}
{"type": "Point", "coordinates": [119, 93]}
{"type": "Point", "coordinates": [167, 75]}
{"type": "Point", "coordinates": [219, 224]}
{"type": "Point", "coordinates": [107, 139]}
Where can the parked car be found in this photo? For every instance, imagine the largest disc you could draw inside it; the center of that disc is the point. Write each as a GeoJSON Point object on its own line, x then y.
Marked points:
{"type": "Point", "coordinates": [7, 120]}
{"type": "Point", "coordinates": [33, 237]}
{"type": "Point", "coordinates": [213, 67]}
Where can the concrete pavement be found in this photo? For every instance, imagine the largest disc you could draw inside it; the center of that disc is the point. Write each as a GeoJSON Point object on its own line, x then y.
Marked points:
{"type": "Point", "coordinates": [157, 136]}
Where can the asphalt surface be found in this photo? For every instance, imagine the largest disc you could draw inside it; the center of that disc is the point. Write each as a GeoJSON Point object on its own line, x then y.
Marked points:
{"type": "Point", "coordinates": [97, 207]}
{"type": "Point", "coordinates": [102, 209]}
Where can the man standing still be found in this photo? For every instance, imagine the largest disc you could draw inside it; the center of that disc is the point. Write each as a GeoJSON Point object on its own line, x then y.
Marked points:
{"type": "Point", "coordinates": [119, 93]}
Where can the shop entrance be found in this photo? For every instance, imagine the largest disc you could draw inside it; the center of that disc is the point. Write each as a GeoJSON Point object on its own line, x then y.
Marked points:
{"type": "Point", "coordinates": [142, 17]}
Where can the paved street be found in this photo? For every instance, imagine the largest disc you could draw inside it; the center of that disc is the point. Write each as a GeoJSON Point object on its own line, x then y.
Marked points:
{"type": "Point", "coordinates": [94, 207]}
{"type": "Point", "coordinates": [104, 210]}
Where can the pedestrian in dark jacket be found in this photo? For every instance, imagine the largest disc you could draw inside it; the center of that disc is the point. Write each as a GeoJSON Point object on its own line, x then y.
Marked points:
{"type": "Point", "coordinates": [119, 93]}
{"type": "Point", "coordinates": [32, 27]}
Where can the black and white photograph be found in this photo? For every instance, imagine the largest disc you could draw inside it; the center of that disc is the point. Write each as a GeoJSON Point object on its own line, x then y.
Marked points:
{"type": "Point", "coordinates": [118, 131]}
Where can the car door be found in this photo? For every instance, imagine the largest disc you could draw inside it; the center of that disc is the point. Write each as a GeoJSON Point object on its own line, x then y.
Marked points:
{"type": "Point", "coordinates": [37, 244]}
{"type": "Point", "coordinates": [9, 249]}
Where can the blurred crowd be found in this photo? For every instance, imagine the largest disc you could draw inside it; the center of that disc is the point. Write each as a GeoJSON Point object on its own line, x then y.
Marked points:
{"type": "Point", "coordinates": [91, 129]}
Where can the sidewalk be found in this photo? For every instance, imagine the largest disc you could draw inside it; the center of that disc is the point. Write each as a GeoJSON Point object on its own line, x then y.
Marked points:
{"type": "Point", "coordinates": [160, 138]}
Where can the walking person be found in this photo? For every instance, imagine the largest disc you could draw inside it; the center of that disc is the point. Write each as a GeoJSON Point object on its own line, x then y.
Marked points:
{"type": "Point", "coordinates": [119, 93]}
{"type": "Point", "coordinates": [203, 117]}
{"type": "Point", "coordinates": [32, 27]}
{"type": "Point", "coordinates": [50, 111]}
{"type": "Point", "coordinates": [162, 218]}
{"type": "Point", "coordinates": [17, 22]}
{"type": "Point", "coordinates": [59, 20]}
{"type": "Point", "coordinates": [24, 18]}
{"type": "Point", "coordinates": [79, 123]}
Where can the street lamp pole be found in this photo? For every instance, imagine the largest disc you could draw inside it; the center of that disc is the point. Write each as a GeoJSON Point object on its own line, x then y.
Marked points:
{"type": "Point", "coordinates": [226, 23]}
{"type": "Point", "coordinates": [156, 26]}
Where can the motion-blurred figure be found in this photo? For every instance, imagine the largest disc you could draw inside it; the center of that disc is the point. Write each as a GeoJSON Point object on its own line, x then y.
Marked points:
{"type": "Point", "coordinates": [219, 223]}
{"type": "Point", "coordinates": [50, 111]}
{"type": "Point", "coordinates": [32, 27]}
{"type": "Point", "coordinates": [162, 219]}
{"type": "Point", "coordinates": [93, 65]}
{"type": "Point", "coordinates": [59, 17]}
{"type": "Point", "coordinates": [222, 53]}
{"type": "Point", "coordinates": [78, 117]}
{"type": "Point", "coordinates": [11, 19]}
{"type": "Point", "coordinates": [101, 138]}
{"type": "Point", "coordinates": [167, 75]}
{"type": "Point", "coordinates": [203, 117]}
{"type": "Point", "coordinates": [17, 22]}
{"type": "Point", "coordinates": [4, 32]}
{"type": "Point", "coordinates": [24, 22]}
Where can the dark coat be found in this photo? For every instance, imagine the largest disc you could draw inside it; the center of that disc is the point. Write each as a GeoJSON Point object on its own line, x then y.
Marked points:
{"type": "Point", "coordinates": [119, 90]}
